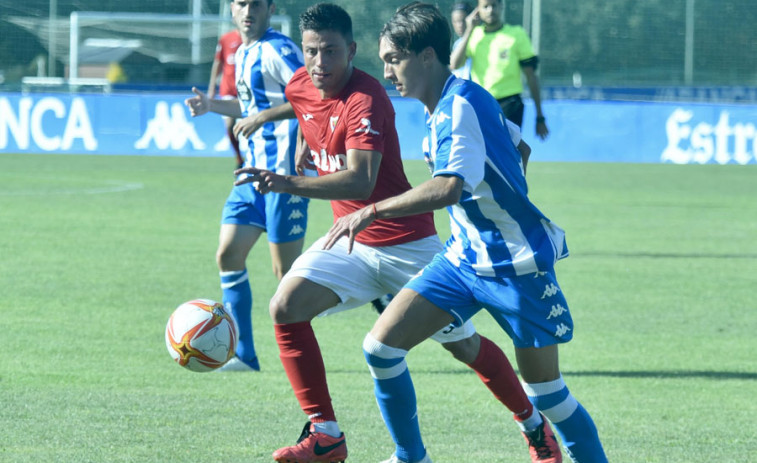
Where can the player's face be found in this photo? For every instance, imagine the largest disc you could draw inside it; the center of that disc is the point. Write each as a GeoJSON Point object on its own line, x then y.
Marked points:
{"type": "Point", "coordinates": [328, 60]}
{"type": "Point", "coordinates": [458, 22]}
{"type": "Point", "coordinates": [252, 17]}
{"type": "Point", "coordinates": [490, 12]}
{"type": "Point", "coordinates": [403, 69]}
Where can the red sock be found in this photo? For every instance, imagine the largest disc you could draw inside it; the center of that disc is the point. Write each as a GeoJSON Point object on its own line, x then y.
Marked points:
{"type": "Point", "coordinates": [303, 364]}
{"type": "Point", "coordinates": [498, 375]}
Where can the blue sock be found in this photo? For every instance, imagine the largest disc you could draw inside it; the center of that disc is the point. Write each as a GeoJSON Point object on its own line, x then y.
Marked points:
{"type": "Point", "coordinates": [237, 298]}
{"type": "Point", "coordinates": [395, 395]}
{"type": "Point", "coordinates": [569, 418]}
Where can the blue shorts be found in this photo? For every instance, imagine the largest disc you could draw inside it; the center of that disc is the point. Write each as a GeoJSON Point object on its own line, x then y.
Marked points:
{"type": "Point", "coordinates": [283, 216]}
{"type": "Point", "coordinates": [530, 308]}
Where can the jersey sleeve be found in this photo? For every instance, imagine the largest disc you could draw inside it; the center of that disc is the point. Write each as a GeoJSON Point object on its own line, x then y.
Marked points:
{"type": "Point", "coordinates": [286, 58]}
{"type": "Point", "coordinates": [366, 123]}
{"type": "Point", "coordinates": [514, 132]}
{"type": "Point", "coordinates": [460, 147]}
{"type": "Point", "coordinates": [523, 48]}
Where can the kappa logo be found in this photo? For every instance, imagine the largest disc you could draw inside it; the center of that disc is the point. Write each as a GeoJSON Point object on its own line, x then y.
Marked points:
{"type": "Point", "coordinates": [296, 230]}
{"type": "Point", "coordinates": [550, 290]}
{"type": "Point", "coordinates": [286, 51]}
{"type": "Point", "coordinates": [556, 311]}
{"type": "Point", "coordinates": [441, 117]}
{"type": "Point", "coordinates": [562, 330]}
{"type": "Point", "coordinates": [169, 128]}
{"type": "Point", "coordinates": [366, 127]}
{"type": "Point", "coordinates": [294, 200]}
{"type": "Point", "coordinates": [296, 214]}
{"type": "Point", "coordinates": [307, 117]}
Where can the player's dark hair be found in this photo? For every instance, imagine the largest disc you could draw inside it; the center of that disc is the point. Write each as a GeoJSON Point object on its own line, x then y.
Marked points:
{"type": "Point", "coordinates": [416, 26]}
{"type": "Point", "coordinates": [465, 7]}
{"type": "Point", "coordinates": [327, 17]}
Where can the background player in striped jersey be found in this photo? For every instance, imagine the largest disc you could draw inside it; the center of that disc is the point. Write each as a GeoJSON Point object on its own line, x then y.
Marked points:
{"type": "Point", "coordinates": [500, 256]}
{"type": "Point", "coordinates": [223, 65]}
{"type": "Point", "coordinates": [347, 121]}
{"type": "Point", "coordinates": [265, 62]}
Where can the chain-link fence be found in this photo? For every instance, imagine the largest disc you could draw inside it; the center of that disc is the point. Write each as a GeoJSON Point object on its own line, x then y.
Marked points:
{"type": "Point", "coordinates": [623, 43]}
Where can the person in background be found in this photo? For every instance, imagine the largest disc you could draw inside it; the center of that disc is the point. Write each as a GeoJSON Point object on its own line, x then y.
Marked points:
{"type": "Point", "coordinates": [264, 64]}
{"type": "Point", "coordinates": [500, 52]}
{"type": "Point", "coordinates": [460, 11]}
{"type": "Point", "coordinates": [223, 64]}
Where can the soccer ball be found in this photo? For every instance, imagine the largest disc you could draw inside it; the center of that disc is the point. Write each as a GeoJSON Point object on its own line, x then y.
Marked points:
{"type": "Point", "coordinates": [201, 335]}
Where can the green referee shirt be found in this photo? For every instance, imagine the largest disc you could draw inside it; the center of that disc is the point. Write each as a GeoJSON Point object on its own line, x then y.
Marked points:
{"type": "Point", "coordinates": [496, 58]}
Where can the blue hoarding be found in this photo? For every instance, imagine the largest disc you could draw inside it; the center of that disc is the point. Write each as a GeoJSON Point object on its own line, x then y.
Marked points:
{"type": "Point", "coordinates": [601, 131]}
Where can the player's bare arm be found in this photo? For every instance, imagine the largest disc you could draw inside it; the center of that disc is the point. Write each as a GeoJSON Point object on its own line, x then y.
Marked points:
{"type": "Point", "coordinates": [533, 85]}
{"type": "Point", "coordinates": [457, 57]}
{"type": "Point", "coordinates": [200, 104]}
{"type": "Point", "coordinates": [437, 193]}
{"type": "Point", "coordinates": [302, 160]}
{"type": "Point", "coordinates": [245, 127]}
{"type": "Point", "coordinates": [355, 182]}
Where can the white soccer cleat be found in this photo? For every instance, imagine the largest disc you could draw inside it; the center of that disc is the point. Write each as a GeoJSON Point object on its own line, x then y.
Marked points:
{"type": "Point", "coordinates": [394, 459]}
{"type": "Point", "coordinates": [236, 364]}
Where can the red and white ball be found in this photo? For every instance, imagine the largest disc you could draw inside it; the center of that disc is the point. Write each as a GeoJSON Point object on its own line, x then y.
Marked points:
{"type": "Point", "coordinates": [201, 335]}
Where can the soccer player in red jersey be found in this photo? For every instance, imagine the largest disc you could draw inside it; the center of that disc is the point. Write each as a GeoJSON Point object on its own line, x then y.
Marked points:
{"type": "Point", "coordinates": [347, 121]}
{"type": "Point", "coordinates": [223, 64]}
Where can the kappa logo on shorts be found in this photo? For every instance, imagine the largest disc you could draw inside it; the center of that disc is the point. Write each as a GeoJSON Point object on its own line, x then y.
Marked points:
{"type": "Point", "coordinates": [556, 311]}
{"type": "Point", "coordinates": [296, 214]}
{"type": "Point", "coordinates": [550, 290]}
{"type": "Point", "coordinates": [296, 230]}
{"type": "Point", "coordinates": [561, 330]}
{"type": "Point", "coordinates": [294, 200]}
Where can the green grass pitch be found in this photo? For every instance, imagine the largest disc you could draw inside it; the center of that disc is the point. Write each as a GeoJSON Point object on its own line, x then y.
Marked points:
{"type": "Point", "coordinates": [97, 251]}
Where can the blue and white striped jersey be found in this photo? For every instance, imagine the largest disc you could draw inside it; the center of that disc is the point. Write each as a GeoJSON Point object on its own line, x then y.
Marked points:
{"type": "Point", "coordinates": [263, 69]}
{"type": "Point", "coordinates": [496, 230]}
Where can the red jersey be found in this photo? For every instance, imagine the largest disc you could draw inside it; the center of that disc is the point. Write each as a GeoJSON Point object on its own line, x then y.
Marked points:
{"type": "Point", "coordinates": [225, 50]}
{"type": "Point", "coordinates": [361, 118]}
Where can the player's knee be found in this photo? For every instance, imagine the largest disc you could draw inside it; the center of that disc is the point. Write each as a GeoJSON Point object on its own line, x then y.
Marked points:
{"type": "Point", "coordinates": [284, 309]}
{"type": "Point", "coordinates": [464, 350]}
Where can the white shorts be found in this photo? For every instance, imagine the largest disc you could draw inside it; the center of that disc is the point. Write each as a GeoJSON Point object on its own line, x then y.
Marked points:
{"type": "Point", "coordinates": [369, 273]}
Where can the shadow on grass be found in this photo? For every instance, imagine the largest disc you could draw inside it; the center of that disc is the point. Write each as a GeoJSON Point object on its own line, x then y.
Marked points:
{"type": "Point", "coordinates": [659, 374]}
{"type": "Point", "coordinates": [700, 374]}
{"type": "Point", "coordinates": [665, 255]}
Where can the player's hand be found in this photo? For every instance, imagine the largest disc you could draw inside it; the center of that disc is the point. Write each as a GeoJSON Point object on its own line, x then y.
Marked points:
{"type": "Point", "coordinates": [198, 104]}
{"type": "Point", "coordinates": [472, 20]}
{"type": "Point", "coordinates": [267, 181]}
{"type": "Point", "coordinates": [349, 225]}
{"type": "Point", "coordinates": [541, 129]}
{"type": "Point", "coordinates": [247, 126]}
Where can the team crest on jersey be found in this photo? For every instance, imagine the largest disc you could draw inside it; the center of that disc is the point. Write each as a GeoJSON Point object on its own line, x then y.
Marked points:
{"type": "Point", "coordinates": [286, 51]}
{"type": "Point", "coordinates": [332, 122]}
{"type": "Point", "coordinates": [504, 55]}
{"type": "Point", "coordinates": [366, 127]}
{"type": "Point", "coordinates": [243, 91]}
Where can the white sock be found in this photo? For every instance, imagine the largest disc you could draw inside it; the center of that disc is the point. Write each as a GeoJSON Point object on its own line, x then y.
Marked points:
{"type": "Point", "coordinates": [328, 427]}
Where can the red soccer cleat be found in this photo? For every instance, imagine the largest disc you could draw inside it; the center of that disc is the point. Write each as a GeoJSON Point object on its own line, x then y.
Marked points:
{"type": "Point", "coordinates": [542, 444]}
{"type": "Point", "coordinates": [313, 447]}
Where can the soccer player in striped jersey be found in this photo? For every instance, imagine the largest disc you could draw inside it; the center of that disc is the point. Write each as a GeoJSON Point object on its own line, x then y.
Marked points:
{"type": "Point", "coordinates": [264, 64]}
{"type": "Point", "coordinates": [500, 256]}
